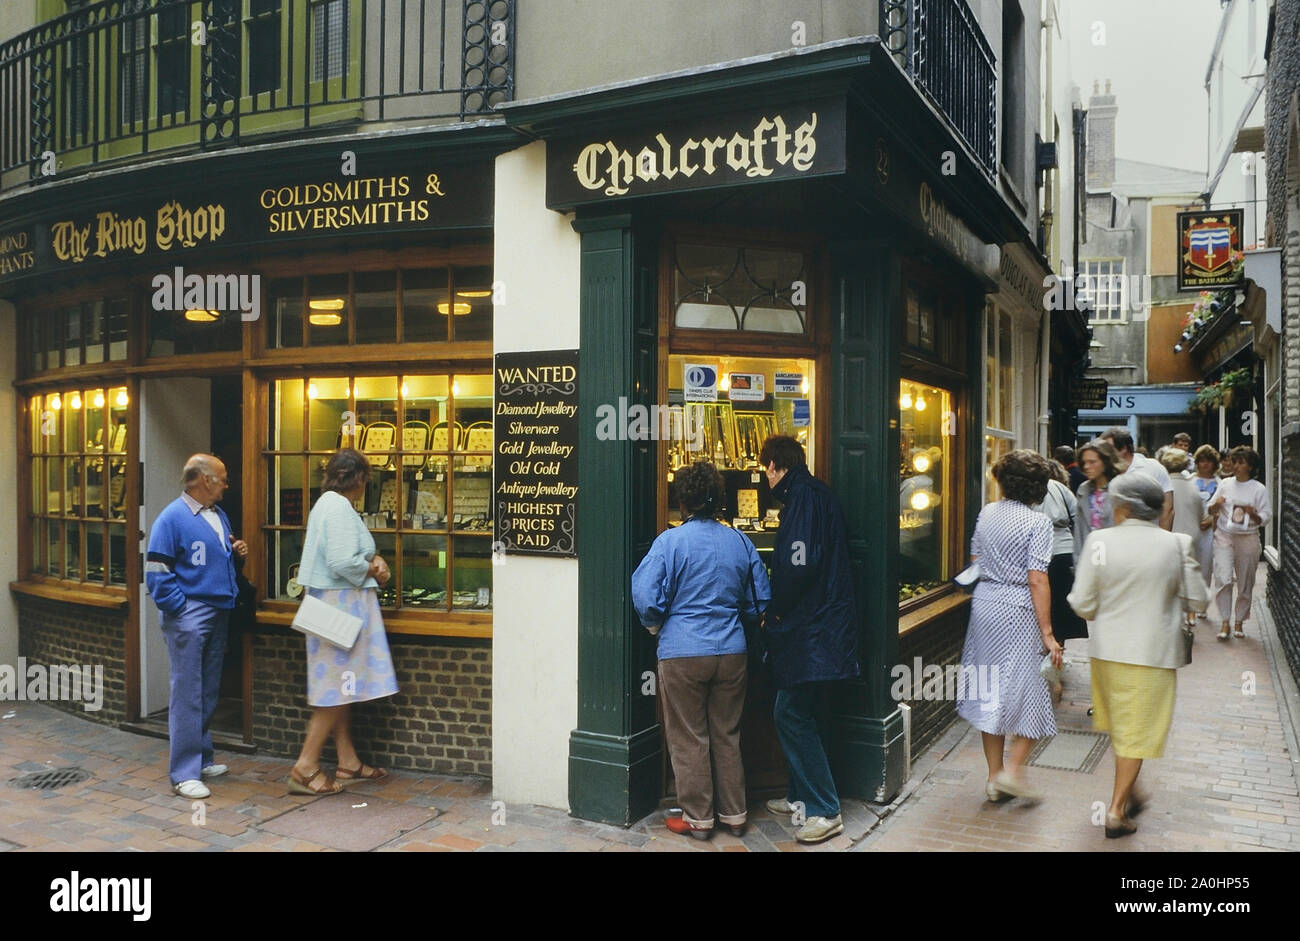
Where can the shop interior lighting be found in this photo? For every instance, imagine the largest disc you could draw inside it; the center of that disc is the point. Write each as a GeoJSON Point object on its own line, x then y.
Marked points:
{"type": "Point", "coordinates": [473, 293]}
{"type": "Point", "coordinates": [405, 391]}
{"type": "Point", "coordinates": [923, 500]}
{"type": "Point", "coordinates": [905, 401]}
{"type": "Point", "coordinates": [99, 398]}
{"type": "Point", "coordinates": [724, 382]}
{"type": "Point", "coordinates": [324, 311]}
{"type": "Point", "coordinates": [455, 388]}
{"type": "Point", "coordinates": [56, 403]}
{"type": "Point", "coordinates": [196, 315]}
{"type": "Point", "coordinates": [921, 462]}
{"type": "Point", "coordinates": [919, 405]}
{"type": "Point", "coordinates": [803, 387]}
{"type": "Point", "coordinates": [122, 398]}
{"type": "Point", "coordinates": [458, 310]}
{"type": "Point", "coordinates": [311, 390]}
{"type": "Point", "coordinates": [74, 401]}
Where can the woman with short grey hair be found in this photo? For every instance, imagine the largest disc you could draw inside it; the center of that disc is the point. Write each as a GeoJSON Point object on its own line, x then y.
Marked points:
{"type": "Point", "coordinates": [1134, 582]}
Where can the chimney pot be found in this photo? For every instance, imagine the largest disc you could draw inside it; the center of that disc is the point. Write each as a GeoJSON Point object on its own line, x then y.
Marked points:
{"type": "Point", "coordinates": [1108, 86]}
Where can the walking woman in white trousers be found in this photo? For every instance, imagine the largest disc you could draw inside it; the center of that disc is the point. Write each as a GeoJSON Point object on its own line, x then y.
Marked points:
{"type": "Point", "coordinates": [1240, 506]}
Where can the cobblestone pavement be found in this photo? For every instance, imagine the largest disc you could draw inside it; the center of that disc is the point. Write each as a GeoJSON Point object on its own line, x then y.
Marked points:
{"type": "Point", "coordinates": [1228, 781]}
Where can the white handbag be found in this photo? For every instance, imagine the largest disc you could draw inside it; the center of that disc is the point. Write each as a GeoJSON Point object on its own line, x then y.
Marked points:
{"type": "Point", "coordinates": [327, 622]}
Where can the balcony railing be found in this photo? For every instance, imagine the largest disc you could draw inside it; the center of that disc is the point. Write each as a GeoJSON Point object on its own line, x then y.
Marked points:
{"type": "Point", "coordinates": [940, 46]}
{"type": "Point", "coordinates": [123, 78]}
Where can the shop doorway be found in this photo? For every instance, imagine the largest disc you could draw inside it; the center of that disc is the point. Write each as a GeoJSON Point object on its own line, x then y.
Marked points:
{"type": "Point", "coordinates": [722, 406]}
{"type": "Point", "coordinates": [180, 416]}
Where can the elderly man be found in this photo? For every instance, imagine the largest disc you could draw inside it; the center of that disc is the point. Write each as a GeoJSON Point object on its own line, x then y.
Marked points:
{"type": "Point", "coordinates": [190, 572]}
{"type": "Point", "coordinates": [1140, 463]}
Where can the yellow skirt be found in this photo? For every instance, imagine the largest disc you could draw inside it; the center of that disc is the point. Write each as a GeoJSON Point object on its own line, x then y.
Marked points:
{"type": "Point", "coordinates": [1135, 704]}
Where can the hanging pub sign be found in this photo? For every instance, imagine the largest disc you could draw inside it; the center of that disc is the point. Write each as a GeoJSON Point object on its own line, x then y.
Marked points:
{"type": "Point", "coordinates": [535, 471]}
{"type": "Point", "coordinates": [1089, 393]}
{"type": "Point", "coordinates": [769, 144]}
{"type": "Point", "coordinates": [1209, 249]}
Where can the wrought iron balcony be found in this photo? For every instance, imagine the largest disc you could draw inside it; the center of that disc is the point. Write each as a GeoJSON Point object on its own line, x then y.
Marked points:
{"type": "Point", "coordinates": [122, 78]}
{"type": "Point", "coordinates": [940, 46]}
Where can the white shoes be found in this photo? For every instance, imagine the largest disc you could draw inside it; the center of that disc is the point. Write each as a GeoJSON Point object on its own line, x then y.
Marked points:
{"type": "Point", "coordinates": [820, 828]}
{"type": "Point", "coordinates": [780, 806]}
{"type": "Point", "coordinates": [194, 790]}
{"type": "Point", "coordinates": [214, 771]}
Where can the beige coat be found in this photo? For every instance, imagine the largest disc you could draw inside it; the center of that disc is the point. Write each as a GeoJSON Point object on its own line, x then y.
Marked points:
{"type": "Point", "coordinates": [1132, 582]}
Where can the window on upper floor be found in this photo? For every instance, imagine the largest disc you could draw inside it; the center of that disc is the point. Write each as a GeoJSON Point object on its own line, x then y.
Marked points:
{"type": "Point", "coordinates": [1013, 91]}
{"type": "Point", "coordinates": [1104, 289]}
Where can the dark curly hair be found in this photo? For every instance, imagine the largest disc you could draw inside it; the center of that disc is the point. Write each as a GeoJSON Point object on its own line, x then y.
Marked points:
{"type": "Point", "coordinates": [700, 491]}
{"type": "Point", "coordinates": [783, 451]}
{"type": "Point", "coordinates": [1023, 476]}
{"type": "Point", "coordinates": [345, 470]}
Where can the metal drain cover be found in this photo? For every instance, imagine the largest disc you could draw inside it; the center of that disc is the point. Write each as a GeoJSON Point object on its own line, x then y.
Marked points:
{"type": "Point", "coordinates": [1070, 751]}
{"type": "Point", "coordinates": [50, 780]}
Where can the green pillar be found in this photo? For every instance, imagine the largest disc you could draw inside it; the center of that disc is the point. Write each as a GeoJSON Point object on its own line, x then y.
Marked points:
{"type": "Point", "coordinates": [866, 338]}
{"type": "Point", "coordinates": [615, 763]}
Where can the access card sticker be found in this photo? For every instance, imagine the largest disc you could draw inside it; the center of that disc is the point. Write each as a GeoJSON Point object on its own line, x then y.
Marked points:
{"type": "Point", "coordinates": [699, 383]}
{"type": "Point", "coordinates": [747, 387]}
{"type": "Point", "coordinates": [787, 385]}
{"type": "Point", "coordinates": [802, 413]}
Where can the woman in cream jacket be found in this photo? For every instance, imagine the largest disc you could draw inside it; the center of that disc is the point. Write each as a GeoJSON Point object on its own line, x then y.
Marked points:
{"type": "Point", "coordinates": [1133, 582]}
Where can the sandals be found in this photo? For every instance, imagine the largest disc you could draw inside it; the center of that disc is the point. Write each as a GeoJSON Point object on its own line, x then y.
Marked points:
{"type": "Point", "coordinates": [346, 776]}
{"type": "Point", "coordinates": [1239, 631]}
{"type": "Point", "coordinates": [300, 785]}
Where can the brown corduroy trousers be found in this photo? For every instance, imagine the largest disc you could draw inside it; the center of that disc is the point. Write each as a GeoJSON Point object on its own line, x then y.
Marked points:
{"type": "Point", "coordinates": [703, 698]}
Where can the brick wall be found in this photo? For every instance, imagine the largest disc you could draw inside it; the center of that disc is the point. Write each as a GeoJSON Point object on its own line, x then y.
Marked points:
{"type": "Point", "coordinates": [55, 633]}
{"type": "Point", "coordinates": [939, 643]}
{"type": "Point", "coordinates": [1284, 584]}
{"type": "Point", "coordinates": [440, 720]}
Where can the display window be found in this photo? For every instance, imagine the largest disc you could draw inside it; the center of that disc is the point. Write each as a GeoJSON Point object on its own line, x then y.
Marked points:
{"type": "Point", "coordinates": [429, 441]}
{"type": "Point", "coordinates": [927, 430]}
{"type": "Point", "coordinates": [83, 333]}
{"type": "Point", "coordinates": [727, 287]}
{"type": "Point", "coordinates": [78, 466]}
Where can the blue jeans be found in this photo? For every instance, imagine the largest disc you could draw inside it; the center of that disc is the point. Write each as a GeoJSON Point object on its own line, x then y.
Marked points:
{"type": "Point", "coordinates": [802, 724]}
{"type": "Point", "coordinates": [196, 646]}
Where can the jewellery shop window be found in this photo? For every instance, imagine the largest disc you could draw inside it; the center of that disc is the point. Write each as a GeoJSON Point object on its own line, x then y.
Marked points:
{"type": "Point", "coordinates": [76, 334]}
{"type": "Point", "coordinates": [429, 442]}
{"type": "Point", "coordinates": [928, 444]}
{"type": "Point", "coordinates": [78, 484]}
{"type": "Point", "coordinates": [722, 287]}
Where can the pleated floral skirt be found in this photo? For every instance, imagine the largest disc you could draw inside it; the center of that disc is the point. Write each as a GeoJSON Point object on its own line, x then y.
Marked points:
{"type": "Point", "coordinates": [336, 676]}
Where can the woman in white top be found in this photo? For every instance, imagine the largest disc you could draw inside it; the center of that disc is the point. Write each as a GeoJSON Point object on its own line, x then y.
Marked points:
{"type": "Point", "coordinates": [1240, 506]}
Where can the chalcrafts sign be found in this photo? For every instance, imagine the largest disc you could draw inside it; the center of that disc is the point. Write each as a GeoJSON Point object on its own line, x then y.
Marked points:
{"type": "Point", "coordinates": [725, 150]}
{"type": "Point", "coordinates": [393, 199]}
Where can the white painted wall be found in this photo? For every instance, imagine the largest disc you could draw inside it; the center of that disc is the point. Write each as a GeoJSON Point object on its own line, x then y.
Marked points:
{"type": "Point", "coordinates": [535, 600]}
{"type": "Point", "coordinates": [8, 485]}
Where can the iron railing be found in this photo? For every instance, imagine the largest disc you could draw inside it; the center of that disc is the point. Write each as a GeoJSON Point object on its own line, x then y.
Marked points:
{"type": "Point", "coordinates": [122, 78]}
{"type": "Point", "coordinates": [940, 46]}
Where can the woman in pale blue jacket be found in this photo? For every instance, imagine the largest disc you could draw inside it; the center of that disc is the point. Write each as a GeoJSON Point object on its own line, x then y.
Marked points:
{"type": "Point", "coordinates": [339, 566]}
{"type": "Point", "coordinates": [690, 591]}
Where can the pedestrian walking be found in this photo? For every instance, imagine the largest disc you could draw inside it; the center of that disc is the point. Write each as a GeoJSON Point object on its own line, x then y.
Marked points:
{"type": "Point", "coordinates": [1207, 483]}
{"type": "Point", "coordinates": [1011, 624]}
{"type": "Point", "coordinates": [1240, 506]}
{"type": "Point", "coordinates": [190, 572]}
{"type": "Point", "coordinates": [1058, 506]}
{"type": "Point", "coordinates": [1189, 507]}
{"type": "Point", "coordinates": [1101, 465]}
{"type": "Point", "coordinates": [812, 627]}
{"type": "Point", "coordinates": [1070, 461]}
{"type": "Point", "coordinates": [1139, 462]}
{"type": "Point", "coordinates": [1133, 583]}
{"type": "Point", "coordinates": [1181, 441]}
{"type": "Point", "coordinates": [695, 589]}
{"type": "Point", "coordinates": [341, 568]}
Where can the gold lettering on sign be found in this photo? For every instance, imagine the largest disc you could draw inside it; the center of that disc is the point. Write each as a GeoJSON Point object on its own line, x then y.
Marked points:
{"type": "Point", "coordinates": [755, 152]}
{"type": "Point", "coordinates": [15, 254]}
{"type": "Point", "coordinates": [379, 200]}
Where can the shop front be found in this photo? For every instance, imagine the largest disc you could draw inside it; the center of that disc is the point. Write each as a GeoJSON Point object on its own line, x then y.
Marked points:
{"type": "Point", "coordinates": [757, 248]}
{"type": "Point", "coordinates": [267, 308]}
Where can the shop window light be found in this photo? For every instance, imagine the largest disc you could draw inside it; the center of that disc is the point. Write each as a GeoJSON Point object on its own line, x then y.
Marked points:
{"type": "Point", "coordinates": [324, 311]}
{"type": "Point", "coordinates": [195, 315]}
{"type": "Point", "coordinates": [122, 399]}
{"type": "Point", "coordinates": [74, 401]}
{"type": "Point", "coordinates": [458, 310]}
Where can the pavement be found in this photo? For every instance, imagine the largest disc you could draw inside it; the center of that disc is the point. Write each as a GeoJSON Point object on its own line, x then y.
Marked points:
{"type": "Point", "coordinates": [1228, 781]}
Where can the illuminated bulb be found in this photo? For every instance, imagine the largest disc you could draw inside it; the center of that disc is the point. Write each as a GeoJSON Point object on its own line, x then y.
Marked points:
{"type": "Point", "coordinates": [99, 399]}
{"type": "Point", "coordinates": [311, 390]}
{"type": "Point", "coordinates": [56, 403]}
{"type": "Point", "coordinates": [920, 404]}
{"type": "Point", "coordinates": [195, 315]}
{"type": "Point", "coordinates": [455, 388]}
{"type": "Point", "coordinates": [328, 318]}
{"type": "Point", "coordinates": [920, 500]}
{"type": "Point", "coordinates": [460, 308]}
{"type": "Point", "coordinates": [405, 391]}
{"type": "Point", "coordinates": [905, 401]}
{"type": "Point", "coordinates": [725, 382]}
{"type": "Point", "coordinates": [804, 386]}
{"type": "Point", "coordinates": [922, 463]}
{"type": "Point", "coordinates": [328, 303]}
{"type": "Point", "coordinates": [74, 401]}
{"type": "Point", "coordinates": [122, 398]}
{"type": "Point", "coordinates": [670, 476]}
{"type": "Point", "coordinates": [473, 293]}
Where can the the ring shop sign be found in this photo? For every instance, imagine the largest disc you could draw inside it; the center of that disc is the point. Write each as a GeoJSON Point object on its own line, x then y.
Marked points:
{"type": "Point", "coordinates": [535, 479]}
{"type": "Point", "coordinates": [746, 147]}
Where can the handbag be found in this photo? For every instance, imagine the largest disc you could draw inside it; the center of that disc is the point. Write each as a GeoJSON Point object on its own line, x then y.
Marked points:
{"type": "Point", "coordinates": [1187, 637]}
{"type": "Point", "coordinates": [322, 620]}
{"type": "Point", "coordinates": [968, 577]}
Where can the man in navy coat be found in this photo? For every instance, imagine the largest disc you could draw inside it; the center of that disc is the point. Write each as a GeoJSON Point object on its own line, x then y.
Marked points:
{"type": "Point", "coordinates": [812, 632]}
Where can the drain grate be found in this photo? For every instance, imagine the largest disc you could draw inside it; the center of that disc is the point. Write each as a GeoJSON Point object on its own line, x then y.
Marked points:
{"type": "Point", "coordinates": [50, 780]}
{"type": "Point", "coordinates": [1070, 751]}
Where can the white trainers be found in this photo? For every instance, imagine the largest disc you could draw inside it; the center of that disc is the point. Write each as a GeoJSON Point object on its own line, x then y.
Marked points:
{"type": "Point", "coordinates": [820, 828]}
{"type": "Point", "coordinates": [214, 771]}
{"type": "Point", "coordinates": [194, 790]}
{"type": "Point", "coordinates": [780, 806]}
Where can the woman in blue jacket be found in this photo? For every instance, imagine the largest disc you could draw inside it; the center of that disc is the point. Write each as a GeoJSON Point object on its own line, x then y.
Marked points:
{"type": "Point", "coordinates": [689, 591]}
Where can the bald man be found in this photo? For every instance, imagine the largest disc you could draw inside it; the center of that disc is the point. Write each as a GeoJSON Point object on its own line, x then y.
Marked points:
{"type": "Point", "coordinates": [190, 572]}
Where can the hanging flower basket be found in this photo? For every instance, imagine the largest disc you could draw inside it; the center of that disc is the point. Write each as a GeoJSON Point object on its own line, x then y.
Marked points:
{"type": "Point", "coordinates": [1232, 386]}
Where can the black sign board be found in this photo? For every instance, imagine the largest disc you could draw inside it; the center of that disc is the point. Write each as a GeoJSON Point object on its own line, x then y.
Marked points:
{"type": "Point", "coordinates": [1209, 249]}
{"type": "Point", "coordinates": [535, 468]}
{"type": "Point", "coordinates": [754, 146]}
{"type": "Point", "coordinates": [1089, 393]}
{"type": "Point", "coordinates": [164, 226]}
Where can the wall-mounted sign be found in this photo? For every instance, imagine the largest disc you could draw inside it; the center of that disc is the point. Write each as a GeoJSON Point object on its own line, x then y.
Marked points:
{"type": "Point", "coordinates": [723, 150]}
{"type": "Point", "coordinates": [1089, 393]}
{"type": "Point", "coordinates": [699, 383]}
{"type": "Point", "coordinates": [535, 472]}
{"type": "Point", "coordinates": [264, 209]}
{"type": "Point", "coordinates": [1209, 253]}
{"type": "Point", "coordinates": [746, 386]}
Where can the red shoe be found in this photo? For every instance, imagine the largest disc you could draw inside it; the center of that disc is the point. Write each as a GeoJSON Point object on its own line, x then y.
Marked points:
{"type": "Point", "coordinates": [679, 825]}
